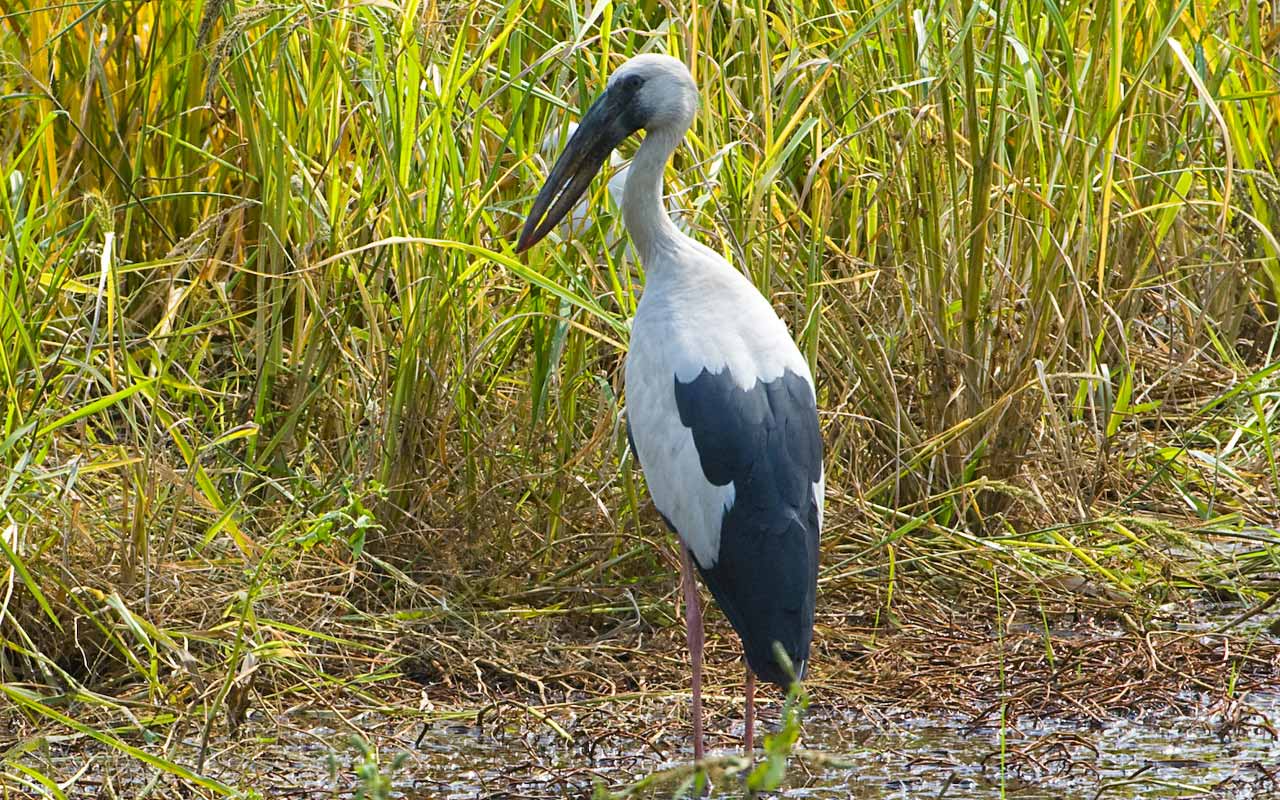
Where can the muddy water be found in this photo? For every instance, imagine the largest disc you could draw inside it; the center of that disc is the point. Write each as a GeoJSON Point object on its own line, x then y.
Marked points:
{"type": "Point", "coordinates": [308, 754]}
{"type": "Point", "coordinates": [1169, 757]}
{"type": "Point", "coordinates": [1220, 751]}
{"type": "Point", "coordinates": [904, 758]}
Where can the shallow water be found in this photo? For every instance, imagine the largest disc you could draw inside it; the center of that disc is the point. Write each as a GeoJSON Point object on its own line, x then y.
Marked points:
{"type": "Point", "coordinates": [310, 755]}
{"type": "Point", "coordinates": [1222, 750]}
{"type": "Point", "coordinates": [1173, 756]}
{"type": "Point", "coordinates": [1162, 757]}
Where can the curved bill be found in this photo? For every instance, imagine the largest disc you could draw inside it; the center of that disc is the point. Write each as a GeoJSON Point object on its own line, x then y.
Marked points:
{"type": "Point", "coordinates": [602, 129]}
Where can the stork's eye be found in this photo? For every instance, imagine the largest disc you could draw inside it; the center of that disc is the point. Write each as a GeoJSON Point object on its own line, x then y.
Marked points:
{"type": "Point", "coordinates": [631, 84]}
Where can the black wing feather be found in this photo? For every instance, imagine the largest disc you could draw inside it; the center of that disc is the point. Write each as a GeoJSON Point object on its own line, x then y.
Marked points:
{"type": "Point", "coordinates": [765, 440]}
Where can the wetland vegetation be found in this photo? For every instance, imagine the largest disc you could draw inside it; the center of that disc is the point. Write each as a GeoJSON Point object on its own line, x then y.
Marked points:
{"type": "Point", "coordinates": [310, 487]}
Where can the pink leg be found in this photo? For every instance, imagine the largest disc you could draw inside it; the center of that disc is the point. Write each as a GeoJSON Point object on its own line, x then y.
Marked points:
{"type": "Point", "coordinates": [693, 620]}
{"type": "Point", "coordinates": [749, 738]}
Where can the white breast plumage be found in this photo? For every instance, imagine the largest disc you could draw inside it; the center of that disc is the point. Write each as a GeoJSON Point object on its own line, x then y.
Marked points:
{"type": "Point", "coordinates": [710, 318]}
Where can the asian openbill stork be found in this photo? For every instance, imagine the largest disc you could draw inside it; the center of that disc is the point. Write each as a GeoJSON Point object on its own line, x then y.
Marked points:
{"type": "Point", "coordinates": [720, 402]}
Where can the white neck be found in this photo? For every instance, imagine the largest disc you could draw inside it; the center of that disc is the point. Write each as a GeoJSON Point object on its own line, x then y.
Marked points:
{"type": "Point", "coordinates": [643, 211]}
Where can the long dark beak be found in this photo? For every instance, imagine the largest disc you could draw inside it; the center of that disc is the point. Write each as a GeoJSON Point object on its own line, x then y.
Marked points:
{"type": "Point", "coordinates": [602, 129]}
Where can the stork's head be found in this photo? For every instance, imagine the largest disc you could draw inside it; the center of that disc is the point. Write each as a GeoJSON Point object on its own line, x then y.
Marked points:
{"type": "Point", "coordinates": [651, 92]}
